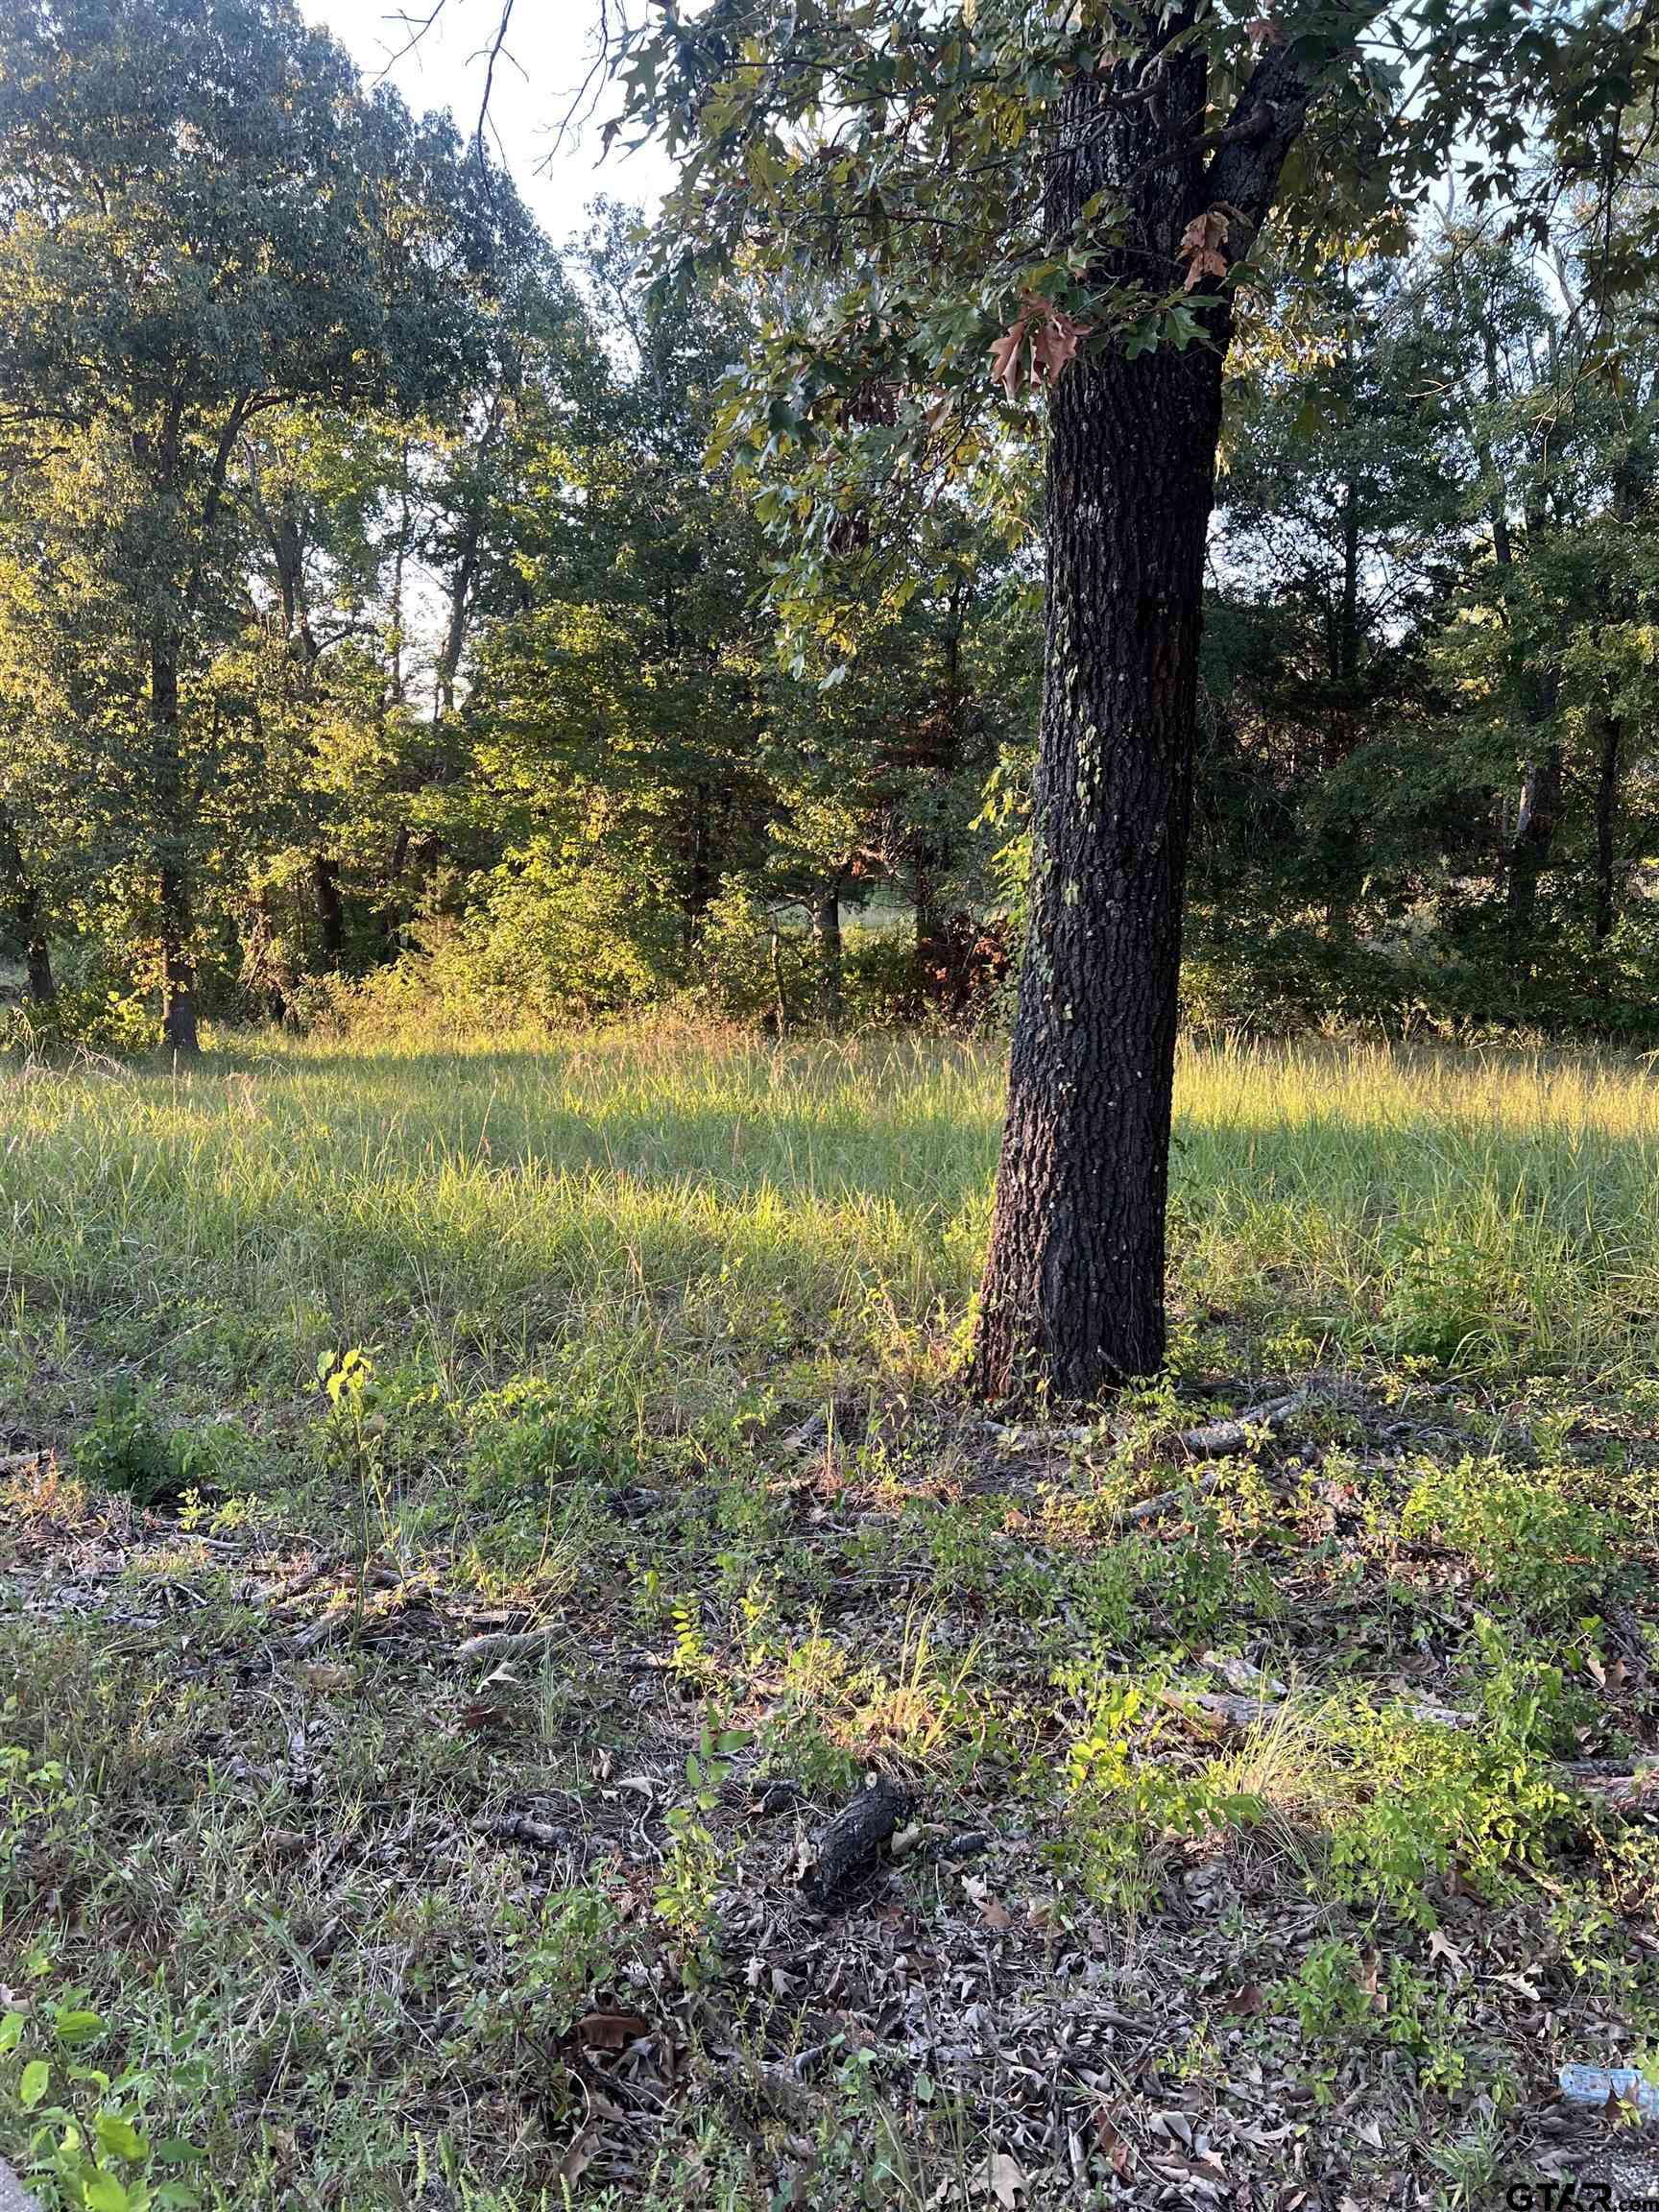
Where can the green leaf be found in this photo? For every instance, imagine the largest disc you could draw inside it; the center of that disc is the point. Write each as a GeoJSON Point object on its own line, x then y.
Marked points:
{"type": "Point", "coordinates": [103, 2192]}
{"type": "Point", "coordinates": [10, 2033]}
{"type": "Point", "coordinates": [75, 2027]}
{"type": "Point", "coordinates": [118, 2135]}
{"type": "Point", "coordinates": [36, 2076]}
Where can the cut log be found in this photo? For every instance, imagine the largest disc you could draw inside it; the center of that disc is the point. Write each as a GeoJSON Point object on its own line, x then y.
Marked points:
{"type": "Point", "coordinates": [851, 1843]}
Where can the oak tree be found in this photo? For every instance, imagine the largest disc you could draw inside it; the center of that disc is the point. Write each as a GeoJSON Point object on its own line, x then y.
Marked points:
{"type": "Point", "coordinates": [1065, 196]}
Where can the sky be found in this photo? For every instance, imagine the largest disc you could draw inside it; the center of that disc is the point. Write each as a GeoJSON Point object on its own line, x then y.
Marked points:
{"type": "Point", "coordinates": [551, 48]}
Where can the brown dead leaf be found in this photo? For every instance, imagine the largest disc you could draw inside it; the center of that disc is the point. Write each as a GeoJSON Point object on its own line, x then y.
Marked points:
{"type": "Point", "coordinates": [579, 2158]}
{"type": "Point", "coordinates": [1201, 247]}
{"type": "Point", "coordinates": [1055, 344]}
{"type": "Point", "coordinates": [1004, 2179]}
{"type": "Point", "coordinates": [610, 2030]}
{"type": "Point", "coordinates": [1053, 337]}
{"type": "Point", "coordinates": [991, 1910]}
{"type": "Point", "coordinates": [1005, 356]}
{"type": "Point", "coordinates": [1116, 2145]}
{"type": "Point", "coordinates": [1441, 1946]}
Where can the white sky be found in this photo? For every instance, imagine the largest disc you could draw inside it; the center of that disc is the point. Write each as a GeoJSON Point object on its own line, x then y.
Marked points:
{"type": "Point", "coordinates": [552, 47]}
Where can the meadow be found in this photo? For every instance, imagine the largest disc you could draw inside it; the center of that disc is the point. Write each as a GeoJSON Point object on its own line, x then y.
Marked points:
{"type": "Point", "coordinates": [473, 1512]}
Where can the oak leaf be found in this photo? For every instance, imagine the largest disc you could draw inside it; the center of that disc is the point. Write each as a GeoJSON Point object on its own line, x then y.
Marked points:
{"type": "Point", "coordinates": [1202, 245]}
{"type": "Point", "coordinates": [610, 2030]}
{"type": "Point", "coordinates": [1051, 335]}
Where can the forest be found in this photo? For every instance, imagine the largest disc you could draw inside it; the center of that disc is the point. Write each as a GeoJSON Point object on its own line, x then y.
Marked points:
{"type": "Point", "coordinates": [829, 1150]}
{"type": "Point", "coordinates": [460, 558]}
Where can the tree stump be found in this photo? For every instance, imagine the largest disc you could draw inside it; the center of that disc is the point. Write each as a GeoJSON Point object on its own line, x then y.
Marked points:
{"type": "Point", "coordinates": [851, 1843]}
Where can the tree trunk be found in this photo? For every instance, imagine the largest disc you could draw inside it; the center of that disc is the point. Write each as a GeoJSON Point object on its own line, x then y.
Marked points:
{"type": "Point", "coordinates": [827, 950]}
{"type": "Point", "coordinates": [178, 968]}
{"type": "Point", "coordinates": [1073, 1297]}
{"type": "Point", "coordinates": [330, 911]}
{"type": "Point", "coordinates": [1608, 827]}
{"type": "Point", "coordinates": [42, 986]}
{"type": "Point", "coordinates": [779, 994]}
{"type": "Point", "coordinates": [1530, 848]}
{"type": "Point", "coordinates": [1346, 669]}
{"type": "Point", "coordinates": [699, 870]}
{"type": "Point", "coordinates": [930, 947]}
{"type": "Point", "coordinates": [24, 904]}
{"type": "Point", "coordinates": [178, 971]}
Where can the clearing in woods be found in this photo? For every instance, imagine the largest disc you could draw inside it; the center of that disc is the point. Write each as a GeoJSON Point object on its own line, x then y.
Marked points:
{"type": "Point", "coordinates": [472, 1518]}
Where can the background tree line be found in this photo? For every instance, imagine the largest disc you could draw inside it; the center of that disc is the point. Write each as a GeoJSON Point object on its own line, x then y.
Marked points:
{"type": "Point", "coordinates": [389, 601]}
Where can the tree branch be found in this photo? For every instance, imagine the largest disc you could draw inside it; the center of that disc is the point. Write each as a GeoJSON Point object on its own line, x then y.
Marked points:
{"type": "Point", "coordinates": [1267, 121]}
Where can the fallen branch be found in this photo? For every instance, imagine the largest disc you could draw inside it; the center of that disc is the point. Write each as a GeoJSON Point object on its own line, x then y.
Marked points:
{"type": "Point", "coordinates": [1232, 1711]}
{"type": "Point", "coordinates": [1608, 1784]}
{"type": "Point", "coordinates": [506, 1643]}
{"type": "Point", "coordinates": [520, 1828]}
{"type": "Point", "coordinates": [1167, 1501]}
{"type": "Point", "coordinates": [1215, 1439]}
{"type": "Point", "coordinates": [1614, 1789]}
{"type": "Point", "coordinates": [323, 1630]}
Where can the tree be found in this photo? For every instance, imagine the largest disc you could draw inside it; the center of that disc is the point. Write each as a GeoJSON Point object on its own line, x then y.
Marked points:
{"type": "Point", "coordinates": [206, 221]}
{"type": "Point", "coordinates": [1081, 189]}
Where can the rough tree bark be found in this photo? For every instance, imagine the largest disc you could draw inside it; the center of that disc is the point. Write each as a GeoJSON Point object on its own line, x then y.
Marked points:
{"type": "Point", "coordinates": [1073, 1297]}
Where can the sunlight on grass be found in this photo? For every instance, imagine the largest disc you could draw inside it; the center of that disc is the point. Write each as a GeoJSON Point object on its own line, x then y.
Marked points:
{"type": "Point", "coordinates": [700, 1196]}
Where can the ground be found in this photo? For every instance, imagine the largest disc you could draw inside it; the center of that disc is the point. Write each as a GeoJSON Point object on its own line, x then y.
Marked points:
{"type": "Point", "coordinates": [472, 1518]}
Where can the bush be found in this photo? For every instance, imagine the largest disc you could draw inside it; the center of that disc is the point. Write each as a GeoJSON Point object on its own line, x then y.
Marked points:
{"type": "Point", "coordinates": [750, 968]}
{"type": "Point", "coordinates": [92, 1017]}
{"type": "Point", "coordinates": [126, 1448]}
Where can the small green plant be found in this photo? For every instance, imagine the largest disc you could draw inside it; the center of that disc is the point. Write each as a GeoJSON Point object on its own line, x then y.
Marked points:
{"type": "Point", "coordinates": [1331, 1994]}
{"type": "Point", "coordinates": [1485, 1799]}
{"type": "Point", "coordinates": [690, 1875]}
{"type": "Point", "coordinates": [1339, 1994]}
{"type": "Point", "coordinates": [37, 1813]}
{"type": "Point", "coordinates": [354, 1431]}
{"type": "Point", "coordinates": [1124, 1804]}
{"type": "Point", "coordinates": [89, 2148]}
{"type": "Point", "coordinates": [125, 1447]}
{"type": "Point", "coordinates": [693, 1662]}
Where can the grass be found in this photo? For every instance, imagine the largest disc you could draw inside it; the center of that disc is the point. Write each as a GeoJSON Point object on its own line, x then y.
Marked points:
{"type": "Point", "coordinates": [300, 1903]}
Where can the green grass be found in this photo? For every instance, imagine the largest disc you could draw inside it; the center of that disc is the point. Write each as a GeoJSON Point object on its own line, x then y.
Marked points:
{"type": "Point", "coordinates": [659, 1332]}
